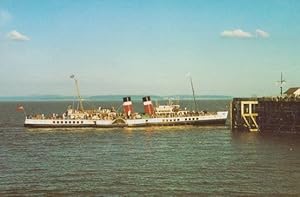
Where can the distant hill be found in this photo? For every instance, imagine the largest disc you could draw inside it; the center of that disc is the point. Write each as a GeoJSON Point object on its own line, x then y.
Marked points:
{"type": "Point", "coordinates": [120, 97]}
{"type": "Point", "coordinates": [37, 98]}
{"type": "Point", "coordinates": [112, 97]}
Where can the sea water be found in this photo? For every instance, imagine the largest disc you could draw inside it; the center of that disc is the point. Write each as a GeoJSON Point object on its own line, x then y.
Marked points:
{"type": "Point", "coordinates": [159, 161]}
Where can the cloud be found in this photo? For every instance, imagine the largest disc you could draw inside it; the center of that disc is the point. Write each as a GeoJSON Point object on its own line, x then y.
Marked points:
{"type": "Point", "coordinates": [236, 33]}
{"type": "Point", "coordinates": [17, 36]}
{"type": "Point", "coordinates": [262, 34]}
{"type": "Point", "coordinates": [5, 17]}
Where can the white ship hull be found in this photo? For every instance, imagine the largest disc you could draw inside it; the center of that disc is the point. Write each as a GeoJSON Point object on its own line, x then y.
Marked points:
{"type": "Point", "coordinates": [210, 119]}
{"type": "Point", "coordinates": [214, 119]}
{"type": "Point", "coordinates": [56, 123]}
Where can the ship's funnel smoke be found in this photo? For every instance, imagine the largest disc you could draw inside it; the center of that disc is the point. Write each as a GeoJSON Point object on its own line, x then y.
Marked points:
{"type": "Point", "coordinates": [148, 107]}
{"type": "Point", "coordinates": [127, 106]}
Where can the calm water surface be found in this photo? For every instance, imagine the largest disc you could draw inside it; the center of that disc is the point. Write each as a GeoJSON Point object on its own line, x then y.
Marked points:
{"type": "Point", "coordinates": [182, 161]}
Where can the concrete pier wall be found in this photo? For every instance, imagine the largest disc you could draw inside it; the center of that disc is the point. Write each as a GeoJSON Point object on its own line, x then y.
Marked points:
{"type": "Point", "coordinates": [266, 114]}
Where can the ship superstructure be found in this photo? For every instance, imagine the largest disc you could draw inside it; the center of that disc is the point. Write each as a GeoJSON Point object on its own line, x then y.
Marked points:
{"type": "Point", "coordinates": [171, 114]}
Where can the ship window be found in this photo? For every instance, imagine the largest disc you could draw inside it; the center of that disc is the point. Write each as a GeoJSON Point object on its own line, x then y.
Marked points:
{"type": "Point", "coordinates": [77, 122]}
{"type": "Point", "coordinates": [189, 118]}
{"type": "Point", "coordinates": [174, 120]}
{"type": "Point", "coordinates": [62, 122]}
{"type": "Point", "coordinates": [167, 120]}
{"type": "Point", "coordinates": [178, 119]}
{"type": "Point", "coordinates": [186, 119]}
{"type": "Point", "coordinates": [53, 121]}
{"type": "Point", "coordinates": [57, 122]}
{"type": "Point", "coordinates": [70, 122]}
{"type": "Point", "coordinates": [73, 122]}
{"type": "Point", "coordinates": [163, 120]}
{"type": "Point", "coordinates": [197, 118]}
{"type": "Point", "coordinates": [81, 122]}
{"type": "Point", "coordinates": [171, 120]}
{"type": "Point", "coordinates": [193, 118]}
{"type": "Point", "coordinates": [66, 122]}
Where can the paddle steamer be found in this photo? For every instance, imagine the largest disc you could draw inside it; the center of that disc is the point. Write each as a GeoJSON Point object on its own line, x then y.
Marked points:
{"type": "Point", "coordinates": [160, 115]}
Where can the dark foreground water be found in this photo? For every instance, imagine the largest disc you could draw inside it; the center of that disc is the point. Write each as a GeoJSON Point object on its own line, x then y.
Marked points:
{"type": "Point", "coordinates": [184, 161]}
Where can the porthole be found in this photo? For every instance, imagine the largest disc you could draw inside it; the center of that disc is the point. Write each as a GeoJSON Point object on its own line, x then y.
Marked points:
{"type": "Point", "coordinates": [81, 122]}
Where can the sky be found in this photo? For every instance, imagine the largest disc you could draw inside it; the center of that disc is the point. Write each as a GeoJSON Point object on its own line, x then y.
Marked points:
{"type": "Point", "coordinates": [236, 48]}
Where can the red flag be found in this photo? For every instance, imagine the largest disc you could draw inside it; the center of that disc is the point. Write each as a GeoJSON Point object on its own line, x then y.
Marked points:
{"type": "Point", "coordinates": [20, 108]}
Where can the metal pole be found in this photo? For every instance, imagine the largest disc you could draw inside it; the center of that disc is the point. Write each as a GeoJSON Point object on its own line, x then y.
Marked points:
{"type": "Point", "coordinates": [282, 81]}
{"type": "Point", "coordinates": [78, 94]}
{"type": "Point", "coordinates": [193, 93]}
{"type": "Point", "coordinates": [280, 84]}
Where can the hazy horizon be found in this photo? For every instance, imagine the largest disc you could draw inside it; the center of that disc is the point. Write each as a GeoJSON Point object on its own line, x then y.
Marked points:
{"type": "Point", "coordinates": [130, 47]}
{"type": "Point", "coordinates": [111, 97]}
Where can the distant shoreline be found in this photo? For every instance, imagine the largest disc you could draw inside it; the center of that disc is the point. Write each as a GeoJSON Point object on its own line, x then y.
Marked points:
{"type": "Point", "coordinates": [111, 98]}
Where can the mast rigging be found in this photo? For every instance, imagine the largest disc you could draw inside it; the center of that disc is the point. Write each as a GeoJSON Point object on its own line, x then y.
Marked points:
{"type": "Point", "coordinates": [78, 93]}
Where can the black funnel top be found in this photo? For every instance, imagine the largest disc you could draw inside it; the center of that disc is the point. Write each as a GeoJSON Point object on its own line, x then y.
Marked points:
{"type": "Point", "coordinates": [125, 99]}
{"type": "Point", "coordinates": [146, 98]}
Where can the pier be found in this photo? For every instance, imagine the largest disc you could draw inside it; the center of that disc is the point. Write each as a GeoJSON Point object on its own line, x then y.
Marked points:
{"type": "Point", "coordinates": [266, 114]}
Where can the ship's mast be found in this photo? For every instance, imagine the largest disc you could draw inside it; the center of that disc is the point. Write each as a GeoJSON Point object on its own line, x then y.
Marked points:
{"type": "Point", "coordinates": [191, 80]}
{"type": "Point", "coordinates": [78, 93]}
{"type": "Point", "coordinates": [281, 83]}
